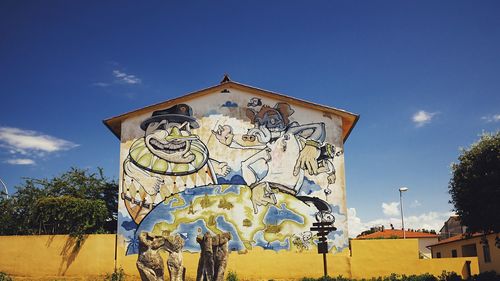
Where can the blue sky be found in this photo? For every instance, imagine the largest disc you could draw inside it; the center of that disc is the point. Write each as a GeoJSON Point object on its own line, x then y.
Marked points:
{"type": "Point", "coordinates": [423, 75]}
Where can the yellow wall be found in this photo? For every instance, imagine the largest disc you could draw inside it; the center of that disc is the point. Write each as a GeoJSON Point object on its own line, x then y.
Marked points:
{"type": "Point", "coordinates": [55, 256]}
{"type": "Point", "coordinates": [259, 264]}
{"type": "Point", "coordinates": [445, 250]}
{"type": "Point", "coordinates": [381, 257]}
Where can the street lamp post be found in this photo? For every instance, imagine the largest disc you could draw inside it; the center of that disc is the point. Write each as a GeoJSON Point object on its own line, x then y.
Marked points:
{"type": "Point", "coordinates": [5, 188]}
{"type": "Point", "coordinates": [401, 190]}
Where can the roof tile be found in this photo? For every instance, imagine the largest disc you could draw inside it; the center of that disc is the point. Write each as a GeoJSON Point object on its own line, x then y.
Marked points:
{"type": "Point", "coordinates": [397, 233]}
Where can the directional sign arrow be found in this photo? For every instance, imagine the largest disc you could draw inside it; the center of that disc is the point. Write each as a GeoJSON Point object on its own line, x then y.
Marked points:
{"type": "Point", "coordinates": [322, 223]}
{"type": "Point", "coordinates": [331, 228]}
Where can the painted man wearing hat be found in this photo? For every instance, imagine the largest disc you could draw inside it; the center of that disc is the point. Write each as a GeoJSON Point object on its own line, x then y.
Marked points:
{"type": "Point", "coordinates": [168, 160]}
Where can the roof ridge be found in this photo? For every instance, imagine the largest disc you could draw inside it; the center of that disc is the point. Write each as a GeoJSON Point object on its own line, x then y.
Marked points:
{"type": "Point", "coordinates": [349, 119]}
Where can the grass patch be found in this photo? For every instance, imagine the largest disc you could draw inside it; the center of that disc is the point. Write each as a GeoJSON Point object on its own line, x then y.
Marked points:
{"type": "Point", "coordinates": [231, 276]}
{"type": "Point", "coordinates": [117, 275]}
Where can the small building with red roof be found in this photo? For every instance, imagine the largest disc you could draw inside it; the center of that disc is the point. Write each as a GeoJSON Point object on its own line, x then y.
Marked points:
{"type": "Point", "coordinates": [424, 239]}
{"type": "Point", "coordinates": [485, 247]}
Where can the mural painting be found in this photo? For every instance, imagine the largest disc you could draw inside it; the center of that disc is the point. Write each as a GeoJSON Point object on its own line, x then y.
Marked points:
{"type": "Point", "coordinates": [257, 172]}
{"type": "Point", "coordinates": [168, 160]}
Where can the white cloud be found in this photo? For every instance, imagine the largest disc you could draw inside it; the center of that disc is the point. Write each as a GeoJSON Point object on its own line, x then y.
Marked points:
{"type": "Point", "coordinates": [355, 225]}
{"type": "Point", "coordinates": [20, 161]}
{"type": "Point", "coordinates": [429, 220]}
{"type": "Point", "coordinates": [100, 84]}
{"type": "Point", "coordinates": [422, 117]}
{"type": "Point", "coordinates": [491, 118]}
{"type": "Point", "coordinates": [390, 209]}
{"type": "Point", "coordinates": [28, 142]}
{"type": "Point", "coordinates": [415, 204]}
{"type": "Point", "coordinates": [126, 78]}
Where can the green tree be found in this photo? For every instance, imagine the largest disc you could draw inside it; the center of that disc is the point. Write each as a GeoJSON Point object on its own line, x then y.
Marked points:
{"type": "Point", "coordinates": [475, 185]}
{"type": "Point", "coordinates": [67, 214]}
{"type": "Point", "coordinates": [76, 202]}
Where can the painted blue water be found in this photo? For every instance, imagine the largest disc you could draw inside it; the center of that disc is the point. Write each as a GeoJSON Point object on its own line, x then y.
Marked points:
{"type": "Point", "coordinates": [308, 187]}
{"type": "Point", "coordinates": [233, 178]}
{"type": "Point", "coordinates": [235, 244]}
{"type": "Point", "coordinates": [163, 213]}
{"type": "Point", "coordinates": [192, 230]}
{"type": "Point", "coordinates": [275, 245]}
{"type": "Point", "coordinates": [277, 215]}
{"type": "Point", "coordinates": [331, 236]}
{"type": "Point", "coordinates": [233, 189]}
{"type": "Point", "coordinates": [127, 225]}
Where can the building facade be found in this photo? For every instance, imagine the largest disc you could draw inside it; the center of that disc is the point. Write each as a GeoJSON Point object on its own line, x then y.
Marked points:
{"type": "Point", "coordinates": [485, 247]}
{"type": "Point", "coordinates": [452, 227]}
{"type": "Point", "coordinates": [233, 158]}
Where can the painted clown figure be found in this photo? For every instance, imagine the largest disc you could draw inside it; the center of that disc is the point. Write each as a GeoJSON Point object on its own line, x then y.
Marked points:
{"type": "Point", "coordinates": [169, 159]}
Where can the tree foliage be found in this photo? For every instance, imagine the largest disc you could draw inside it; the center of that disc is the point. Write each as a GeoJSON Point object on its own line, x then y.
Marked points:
{"type": "Point", "coordinates": [77, 202]}
{"type": "Point", "coordinates": [475, 185]}
{"type": "Point", "coordinates": [68, 214]}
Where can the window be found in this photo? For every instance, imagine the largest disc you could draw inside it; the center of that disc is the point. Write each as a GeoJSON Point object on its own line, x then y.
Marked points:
{"type": "Point", "coordinates": [438, 255]}
{"type": "Point", "coordinates": [469, 250]}
{"type": "Point", "coordinates": [486, 253]}
{"type": "Point", "coordinates": [453, 253]}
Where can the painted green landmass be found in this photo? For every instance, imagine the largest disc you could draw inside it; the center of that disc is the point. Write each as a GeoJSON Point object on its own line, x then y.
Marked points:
{"type": "Point", "coordinates": [237, 210]}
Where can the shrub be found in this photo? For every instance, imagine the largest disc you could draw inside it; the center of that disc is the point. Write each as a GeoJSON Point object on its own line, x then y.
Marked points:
{"type": "Point", "coordinates": [445, 276]}
{"type": "Point", "coordinates": [450, 276]}
{"type": "Point", "coordinates": [117, 275]}
{"type": "Point", "coordinates": [327, 278]}
{"type": "Point", "coordinates": [392, 277]}
{"type": "Point", "coordinates": [5, 277]}
{"type": "Point", "coordinates": [487, 276]}
{"type": "Point", "coordinates": [231, 276]}
{"type": "Point", "coordinates": [422, 277]}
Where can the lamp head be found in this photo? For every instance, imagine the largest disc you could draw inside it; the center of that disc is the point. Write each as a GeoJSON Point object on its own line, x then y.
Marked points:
{"type": "Point", "coordinates": [402, 189]}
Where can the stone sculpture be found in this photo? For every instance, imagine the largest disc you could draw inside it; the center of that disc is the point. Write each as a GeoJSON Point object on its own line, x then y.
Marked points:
{"type": "Point", "coordinates": [213, 256]}
{"type": "Point", "coordinates": [206, 262]}
{"type": "Point", "coordinates": [150, 263]}
{"type": "Point", "coordinates": [174, 246]}
{"type": "Point", "coordinates": [220, 249]}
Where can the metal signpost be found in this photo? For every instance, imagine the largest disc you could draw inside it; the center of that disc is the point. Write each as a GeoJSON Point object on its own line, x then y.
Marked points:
{"type": "Point", "coordinates": [323, 228]}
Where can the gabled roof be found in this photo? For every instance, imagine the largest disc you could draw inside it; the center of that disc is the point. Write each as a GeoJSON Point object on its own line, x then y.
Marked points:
{"type": "Point", "coordinates": [459, 237]}
{"type": "Point", "coordinates": [452, 239]}
{"type": "Point", "coordinates": [397, 233]}
{"type": "Point", "coordinates": [455, 218]}
{"type": "Point", "coordinates": [450, 220]}
{"type": "Point", "coordinates": [348, 119]}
